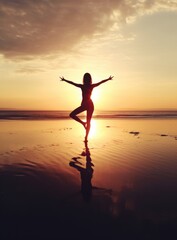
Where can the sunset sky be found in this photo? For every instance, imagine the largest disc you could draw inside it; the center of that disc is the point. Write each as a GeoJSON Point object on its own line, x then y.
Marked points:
{"type": "Point", "coordinates": [133, 40]}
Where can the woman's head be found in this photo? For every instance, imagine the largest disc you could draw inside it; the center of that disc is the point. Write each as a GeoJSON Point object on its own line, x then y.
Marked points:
{"type": "Point", "coordinates": [87, 79]}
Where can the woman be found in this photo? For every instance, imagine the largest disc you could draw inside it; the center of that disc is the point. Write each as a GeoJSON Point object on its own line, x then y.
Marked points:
{"type": "Point", "coordinates": [86, 104]}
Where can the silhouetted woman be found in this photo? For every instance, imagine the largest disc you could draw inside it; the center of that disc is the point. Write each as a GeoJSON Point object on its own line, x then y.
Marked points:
{"type": "Point", "coordinates": [86, 104]}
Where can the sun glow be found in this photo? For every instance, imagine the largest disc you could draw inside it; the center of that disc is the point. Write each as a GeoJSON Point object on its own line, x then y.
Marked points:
{"type": "Point", "coordinates": [95, 95]}
{"type": "Point", "coordinates": [93, 129]}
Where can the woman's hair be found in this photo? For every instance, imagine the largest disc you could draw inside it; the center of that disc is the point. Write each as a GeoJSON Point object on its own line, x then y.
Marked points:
{"type": "Point", "coordinates": [87, 79]}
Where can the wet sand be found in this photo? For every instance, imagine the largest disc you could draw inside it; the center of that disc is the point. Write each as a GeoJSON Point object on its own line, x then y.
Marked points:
{"type": "Point", "coordinates": [121, 185]}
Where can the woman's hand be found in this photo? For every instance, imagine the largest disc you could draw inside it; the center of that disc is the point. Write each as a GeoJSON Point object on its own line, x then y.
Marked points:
{"type": "Point", "coordinates": [62, 78]}
{"type": "Point", "coordinates": [110, 78]}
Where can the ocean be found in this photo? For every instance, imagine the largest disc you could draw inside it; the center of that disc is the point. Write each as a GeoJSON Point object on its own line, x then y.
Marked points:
{"type": "Point", "coordinates": [121, 184]}
{"type": "Point", "coordinates": [55, 114]}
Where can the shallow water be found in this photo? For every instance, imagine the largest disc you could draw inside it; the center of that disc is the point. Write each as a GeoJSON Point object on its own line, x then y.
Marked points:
{"type": "Point", "coordinates": [121, 185]}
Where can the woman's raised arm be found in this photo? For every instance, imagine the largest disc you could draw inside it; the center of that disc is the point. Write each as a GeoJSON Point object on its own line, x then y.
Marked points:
{"type": "Point", "coordinates": [103, 81]}
{"type": "Point", "coordinates": [70, 82]}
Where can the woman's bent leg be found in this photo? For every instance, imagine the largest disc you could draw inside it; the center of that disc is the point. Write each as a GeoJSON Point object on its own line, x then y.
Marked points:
{"type": "Point", "coordinates": [77, 111]}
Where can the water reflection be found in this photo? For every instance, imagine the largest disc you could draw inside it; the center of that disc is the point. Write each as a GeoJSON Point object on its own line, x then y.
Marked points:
{"type": "Point", "coordinates": [86, 173]}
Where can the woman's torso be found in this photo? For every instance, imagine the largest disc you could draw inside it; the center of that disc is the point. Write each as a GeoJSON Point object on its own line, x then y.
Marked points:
{"type": "Point", "coordinates": [86, 94]}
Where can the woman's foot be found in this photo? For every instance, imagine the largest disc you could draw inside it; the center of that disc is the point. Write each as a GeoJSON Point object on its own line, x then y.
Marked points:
{"type": "Point", "coordinates": [84, 124]}
{"type": "Point", "coordinates": [85, 140]}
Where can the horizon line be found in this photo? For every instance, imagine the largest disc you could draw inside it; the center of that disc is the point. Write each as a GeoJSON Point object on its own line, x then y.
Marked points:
{"type": "Point", "coordinates": [120, 109]}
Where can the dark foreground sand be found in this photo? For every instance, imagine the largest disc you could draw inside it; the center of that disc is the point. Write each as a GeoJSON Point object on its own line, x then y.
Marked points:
{"type": "Point", "coordinates": [121, 185]}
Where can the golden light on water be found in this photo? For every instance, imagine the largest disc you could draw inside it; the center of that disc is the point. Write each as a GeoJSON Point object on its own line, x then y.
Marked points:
{"type": "Point", "coordinates": [93, 129]}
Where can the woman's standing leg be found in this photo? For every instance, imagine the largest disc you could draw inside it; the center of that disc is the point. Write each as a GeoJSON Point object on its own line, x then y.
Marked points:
{"type": "Point", "coordinates": [89, 117]}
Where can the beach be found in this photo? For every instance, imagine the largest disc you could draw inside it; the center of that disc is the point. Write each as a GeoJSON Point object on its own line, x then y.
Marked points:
{"type": "Point", "coordinates": [119, 185]}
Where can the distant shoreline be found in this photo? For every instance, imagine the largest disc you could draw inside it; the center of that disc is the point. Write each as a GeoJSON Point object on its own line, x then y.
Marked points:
{"type": "Point", "coordinates": [56, 115]}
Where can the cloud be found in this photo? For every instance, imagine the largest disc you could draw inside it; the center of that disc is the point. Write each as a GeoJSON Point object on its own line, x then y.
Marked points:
{"type": "Point", "coordinates": [37, 28]}
{"type": "Point", "coordinates": [29, 69]}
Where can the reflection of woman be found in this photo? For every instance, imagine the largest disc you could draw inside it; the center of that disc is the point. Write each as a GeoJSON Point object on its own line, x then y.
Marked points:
{"type": "Point", "coordinates": [85, 174]}
{"type": "Point", "coordinates": [86, 104]}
